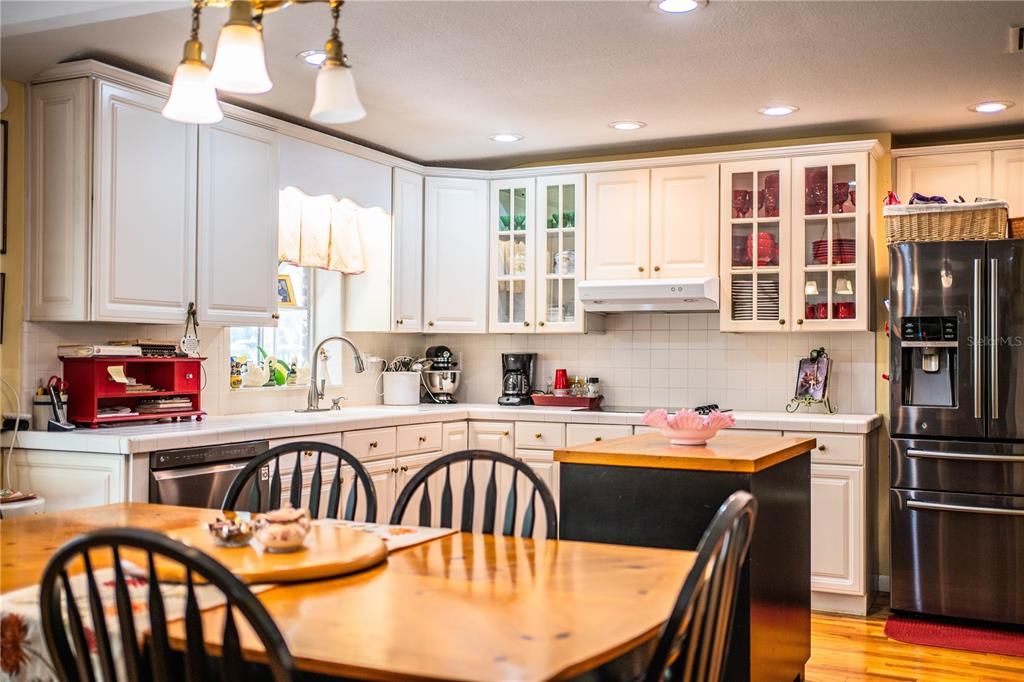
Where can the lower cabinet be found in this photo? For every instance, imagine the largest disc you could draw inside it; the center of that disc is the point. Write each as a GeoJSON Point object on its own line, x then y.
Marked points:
{"type": "Point", "coordinates": [580, 434]}
{"type": "Point", "coordinates": [544, 465]}
{"type": "Point", "coordinates": [454, 437]}
{"type": "Point", "coordinates": [496, 436]}
{"type": "Point", "coordinates": [71, 480]}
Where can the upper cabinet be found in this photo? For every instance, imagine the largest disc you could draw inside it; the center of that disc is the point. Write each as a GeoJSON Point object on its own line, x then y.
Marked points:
{"type": "Point", "coordinates": [965, 173]}
{"type": "Point", "coordinates": [512, 235]}
{"type": "Point", "coordinates": [684, 222]}
{"type": "Point", "coordinates": [560, 254]}
{"type": "Point", "coordinates": [455, 244]}
{"type": "Point", "coordinates": [237, 254]}
{"type": "Point", "coordinates": [408, 252]}
{"type": "Point", "coordinates": [755, 238]}
{"type": "Point", "coordinates": [618, 224]}
{"type": "Point", "coordinates": [1008, 178]}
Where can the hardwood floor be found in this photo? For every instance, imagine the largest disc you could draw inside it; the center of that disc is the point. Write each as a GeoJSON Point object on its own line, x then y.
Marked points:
{"type": "Point", "coordinates": [849, 648]}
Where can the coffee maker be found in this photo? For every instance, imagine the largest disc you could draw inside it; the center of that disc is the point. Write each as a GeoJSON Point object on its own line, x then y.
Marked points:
{"type": "Point", "coordinates": [517, 378]}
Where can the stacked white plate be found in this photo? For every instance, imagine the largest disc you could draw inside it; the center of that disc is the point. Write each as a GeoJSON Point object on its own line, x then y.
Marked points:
{"type": "Point", "coordinates": [768, 299]}
{"type": "Point", "coordinates": [742, 299]}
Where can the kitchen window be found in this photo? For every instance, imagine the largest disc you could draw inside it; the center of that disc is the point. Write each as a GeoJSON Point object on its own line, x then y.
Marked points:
{"type": "Point", "coordinates": [292, 338]}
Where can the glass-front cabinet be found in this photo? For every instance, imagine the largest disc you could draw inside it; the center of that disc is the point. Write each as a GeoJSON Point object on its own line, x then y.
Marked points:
{"type": "Point", "coordinates": [830, 242]}
{"type": "Point", "coordinates": [560, 253]}
{"type": "Point", "coordinates": [755, 245]}
{"type": "Point", "coordinates": [513, 233]}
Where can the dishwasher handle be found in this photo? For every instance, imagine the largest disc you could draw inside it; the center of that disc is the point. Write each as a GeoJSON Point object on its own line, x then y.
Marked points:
{"type": "Point", "coordinates": [187, 472]}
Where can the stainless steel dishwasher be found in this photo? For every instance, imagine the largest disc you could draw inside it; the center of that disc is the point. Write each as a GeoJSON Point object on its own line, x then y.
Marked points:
{"type": "Point", "coordinates": [200, 477]}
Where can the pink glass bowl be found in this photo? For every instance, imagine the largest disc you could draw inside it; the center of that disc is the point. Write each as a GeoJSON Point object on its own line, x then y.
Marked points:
{"type": "Point", "coordinates": [687, 427]}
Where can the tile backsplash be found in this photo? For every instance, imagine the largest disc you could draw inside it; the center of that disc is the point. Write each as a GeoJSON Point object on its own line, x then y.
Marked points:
{"type": "Point", "coordinates": [675, 359]}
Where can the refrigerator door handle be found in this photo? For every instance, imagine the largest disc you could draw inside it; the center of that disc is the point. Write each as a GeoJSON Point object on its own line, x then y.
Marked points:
{"type": "Point", "coordinates": [935, 454]}
{"type": "Point", "coordinates": [976, 338]}
{"type": "Point", "coordinates": [993, 337]}
{"type": "Point", "coordinates": [938, 506]}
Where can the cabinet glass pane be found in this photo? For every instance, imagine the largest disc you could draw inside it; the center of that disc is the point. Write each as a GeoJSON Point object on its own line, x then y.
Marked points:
{"type": "Point", "coordinates": [844, 295]}
{"type": "Point", "coordinates": [742, 194]}
{"type": "Point", "coordinates": [505, 254]}
{"type": "Point", "coordinates": [519, 255]}
{"type": "Point", "coordinates": [568, 300]}
{"type": "Point", "coordinates": [504, 209]}
{"type": "Point", "coordinates": [504, 311]}
{"type": "Point", "coordinates": [566, 257]}
{"type": "Point", "coordinates": [519, 217]}
{"type": "Point", "coordinates": [768, 194]}
{"type": "Point", "coordinates": [569, 206]}
{"type": "Point", "coordinates": [552, 211]}
{"type": "Point", "coordinates": [844, 189]}
{"type": "Point", "coordinates": [816, 296]}
{"type": "Point", "coordinates": [816, 190]}
{"type": "Point", "coordinates": [767, 291]}
{"type": "Point", "coordinates": [816, 242]}
{"type": "Point", "coordinates": [553, 310]}
{"type": "Point", "coordinates": [742, 245]}
{"type": "Point", "coordinates": [743, 297]}
{"type": "Point", "coordinates": [766, 246]}
{"type": "Point", "coordinates": [518, 301]}
{"type": "Point", "coordinates": [844, 241]}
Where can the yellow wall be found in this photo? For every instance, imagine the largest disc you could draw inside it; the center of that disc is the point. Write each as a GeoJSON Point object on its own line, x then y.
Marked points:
{"type": "Point", "coordinates": [13, 262]}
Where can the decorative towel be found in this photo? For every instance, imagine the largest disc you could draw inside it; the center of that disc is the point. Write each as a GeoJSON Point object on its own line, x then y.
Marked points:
{"type": "Point", "coordinates": [323, 232]}
{"type": "Point", "coordinates": [289, 211]}
{"type": "Point", "coordinates": [315, 243]}
{"type": "Point", "coordinates": [346, 255]}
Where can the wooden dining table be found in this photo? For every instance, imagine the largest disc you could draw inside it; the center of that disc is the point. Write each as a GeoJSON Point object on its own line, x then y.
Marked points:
{"type": "Point", "coordinates": [466, 606]}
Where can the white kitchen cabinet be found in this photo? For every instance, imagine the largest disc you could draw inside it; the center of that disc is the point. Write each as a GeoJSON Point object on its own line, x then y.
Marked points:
{"type": "Point", "coordinates": [60, 217]}
{"type": "Point", "coordinates": [72, 480]}
{"type": "Point", "coordinates": [237, 254]}
{"type": "Point", "coordinates": [543, 463]}
{"type": "Point", "coordinates": [368, 295]}
{"type": "Point", "coordinates": [513, 232]}
{"type": "Point", "coordinates": [455, 437]}
{"type": "Point", "coordinates": [1008, 178]}
{"type": "Point", "coordinates": [407, 259]}
{"type": "Point", "coordinates": [618, 224]}
{"type": "Point", "coordinates": [966, 173]}
{"type": "Point", "coordinates": [837, 529]}
{"type": "Point", "coordinates": [684, 222]}
{"type": "Point", "coordinates": [144, 242]}
{"type": "Point", "coordinates": [581, 434]}
{"type": "Point", "coordinates": [495, 436]}
{"type": "Point", "coordinates": [384, 475]}
{"type": "Point", "coordinates": [455, 248]}
{"type": "Point", "coordinates": [561, 254]}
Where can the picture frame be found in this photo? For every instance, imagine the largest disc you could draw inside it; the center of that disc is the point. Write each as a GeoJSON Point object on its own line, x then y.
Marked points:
{"type": "Point", "coordinates": [285, 292]}
{"type": "Point", "coordinates": [3, 187]}
{"type": "Point", "coordinates": [812, 381]}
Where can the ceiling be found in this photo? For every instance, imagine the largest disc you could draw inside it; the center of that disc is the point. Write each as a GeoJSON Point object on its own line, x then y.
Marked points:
{"type": "Point", "coordinates": [437, 78]}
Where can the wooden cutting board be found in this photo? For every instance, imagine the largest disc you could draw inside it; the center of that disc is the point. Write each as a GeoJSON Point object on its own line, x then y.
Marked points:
{"type": "Point", "coordinates": [329, 551]}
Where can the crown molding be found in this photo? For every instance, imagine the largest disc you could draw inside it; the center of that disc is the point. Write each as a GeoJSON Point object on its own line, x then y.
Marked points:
{"type": "Point", "coordinates": [994, 145]}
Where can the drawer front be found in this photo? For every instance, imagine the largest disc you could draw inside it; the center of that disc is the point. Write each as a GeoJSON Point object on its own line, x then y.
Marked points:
{"type": "Point", "coordinates": [835, 448]}
{"type": "Point", "coordinates": [370, 444]}
{"type": "Point", "coordinates": [540, 435]}
{"type": "Point", "coordinates": [417, 438]}
{"type": "Point", "coordinates": [581, 434]}
{"type": "Point", "coordinates": [957, 466]}
{"type": "Point", "coordinates": [186, 376]}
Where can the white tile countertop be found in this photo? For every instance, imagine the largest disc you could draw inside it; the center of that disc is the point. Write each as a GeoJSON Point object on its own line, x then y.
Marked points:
{"type": "Point", "coordinates": [131, 439]}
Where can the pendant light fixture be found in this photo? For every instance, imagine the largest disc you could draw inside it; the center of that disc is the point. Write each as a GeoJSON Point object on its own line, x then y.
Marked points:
{"type": "Point", "coordinates": [336, 99]}
{"type": "Point", "coordinates": [240, 64]}
{"type": "Point", "coordinates": [193, 98]}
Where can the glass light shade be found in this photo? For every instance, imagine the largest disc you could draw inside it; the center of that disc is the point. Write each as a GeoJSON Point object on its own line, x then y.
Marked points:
{"type": "Point", "coordinates": [240, 64]}
{"type": "Point", "coordinates": [193, 99]}
{"type": "Point", "coordinates": [336, 99]}
{"type": "Point", "coordinates": [811, 288]}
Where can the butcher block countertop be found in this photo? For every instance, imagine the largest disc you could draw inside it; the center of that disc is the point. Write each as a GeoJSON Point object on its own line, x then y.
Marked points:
{"type": "Point", "coordinates": [724, 452]}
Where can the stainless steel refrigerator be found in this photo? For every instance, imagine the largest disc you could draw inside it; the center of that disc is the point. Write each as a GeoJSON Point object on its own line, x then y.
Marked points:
{"type": "Point", "coordinates": [957, 425]}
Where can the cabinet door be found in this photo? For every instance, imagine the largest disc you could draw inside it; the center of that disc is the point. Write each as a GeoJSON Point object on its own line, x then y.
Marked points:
{"type": "Point", "coordinates": [544, 465]}
{"type": "Point", "coordinates": [560, 253]}
{"type": "Point", "coordinates": [60, 127]}
{"type": "Point", "coordinates": [618, 224]}
{"type": "Point", "coordinates": [407, 276]}
{"type": "Point", "coordinates": [1008, 179]}
{"type": "Point", "coordinates": [496, 436]}
{"type": "Point", "coordinates": [755, 248]}
{"type": "Point", "coordinates": [144, 247]}
{"type": "Point", "coordinates": [830, 248]}
{"type": "Point", "coordinates": [963, 173]}
{"type": "Point", "coordinates": [512, 234]}
{"type": "Point", "coordinates": [455, 255]}
{"type": "Point", "coordinates": [455, 437]}
{"type": "Point", "coordinates": [684, 221]}
{"type": "Point", "coordinates": [408, 466]}
{"type": "Point", "coordinates": [71, 480]}
{"type": "Point", "coordinates": [384, 475]}
{"type": "Point", "coordinates": [838, 551]}
{"type": "Point", "coordinates": [237, 224]}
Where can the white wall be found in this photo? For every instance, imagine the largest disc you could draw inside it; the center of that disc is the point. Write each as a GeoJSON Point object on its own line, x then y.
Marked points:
{"type": "Point", "coordinates": [675, 360]}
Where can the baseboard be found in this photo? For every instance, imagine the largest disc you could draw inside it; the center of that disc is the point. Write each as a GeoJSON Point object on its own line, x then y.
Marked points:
{"type": "Point", "coordinates": [882, 583]}
{"type": "Point", "coordinates": [847, 604]}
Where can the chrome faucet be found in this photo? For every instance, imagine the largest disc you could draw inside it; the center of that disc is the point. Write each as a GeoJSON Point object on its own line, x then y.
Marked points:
{"type": "Point", "coordinates": [316, 393]}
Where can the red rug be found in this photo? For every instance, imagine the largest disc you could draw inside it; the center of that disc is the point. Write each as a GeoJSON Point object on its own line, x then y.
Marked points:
{"type": "Point", "coordinates": [953, 635]}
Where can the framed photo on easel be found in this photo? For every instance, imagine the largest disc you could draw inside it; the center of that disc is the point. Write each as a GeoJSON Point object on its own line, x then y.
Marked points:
{"type": "Point", "coordinates": [812, 382]}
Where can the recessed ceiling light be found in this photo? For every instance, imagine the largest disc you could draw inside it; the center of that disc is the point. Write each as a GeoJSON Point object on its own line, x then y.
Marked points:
{"type": "Point", "coordinates": [627, 125]}
{"type": "Point", "coordinates": [506, 137]}
{"type": "Point", "coordinates": [778, 110]}
{"type": "Point", "coordinates": [678, 6]}
{"type": "Point", "coordinates": [993, 107]}
{"type": "Point", "coordinates": [312, 57]}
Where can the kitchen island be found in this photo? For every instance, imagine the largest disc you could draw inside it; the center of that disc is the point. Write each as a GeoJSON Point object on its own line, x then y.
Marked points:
{"type": "Point", "coordinates": [641, 490]}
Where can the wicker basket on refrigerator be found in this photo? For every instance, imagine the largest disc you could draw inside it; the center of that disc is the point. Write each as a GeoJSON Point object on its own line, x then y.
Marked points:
{"type": "Point", "coordinates": [980, 220]}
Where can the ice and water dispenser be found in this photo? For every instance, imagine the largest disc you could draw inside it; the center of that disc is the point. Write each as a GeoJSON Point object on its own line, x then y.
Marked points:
{"type": "Point", "coordinates": [928, 353]}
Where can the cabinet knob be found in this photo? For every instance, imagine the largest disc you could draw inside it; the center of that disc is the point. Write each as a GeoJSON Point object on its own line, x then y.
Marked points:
{"type": "Point", "coordinates": [800, 321]}
{"type": "Point", "coordinates": [404, 468]}
{"type": "Point", "coordinates": [526, 324]}
{"type": "Point", "coordinates": [189, 375]}
{"type": "Point", "coordinates": [423, 439]}
{"type": "Point", "coordinates": [307, 454]}
{"type": "Point", "coordinates": [430, 324]}
{"type": "Point", "coordinates": [373, 444]}
{"type": "Point", "coordinates": [538, 436]}
{"type": "Point", "coordinates": [541, 323]}
{"type": "Point", "coordinates": [394, 470]}
{"type": "Point", "coordinates": [641, 268]}
{"type": "Point", "coordinates": [782, 322]}
{"type": "Point", "coordinates": [399, 321]}
{"type": "Point", "coordinates": [822, 447]}
{"type": "Point", "coordinates": [505, 434]}
{"type": "Point", "coordinates": [275, 316]}
{"type": "Point", "coordinates": [657, 268]}
{"type": "Point", "coordinates": [597, 438]}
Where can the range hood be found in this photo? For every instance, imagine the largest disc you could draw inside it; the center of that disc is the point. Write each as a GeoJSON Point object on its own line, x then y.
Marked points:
{"type": "Point", "coordinates": [661, 295]}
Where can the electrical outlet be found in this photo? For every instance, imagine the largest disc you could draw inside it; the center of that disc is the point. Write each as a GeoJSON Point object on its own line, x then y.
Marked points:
{"type": "Point", "coordinates": [1017, 39]}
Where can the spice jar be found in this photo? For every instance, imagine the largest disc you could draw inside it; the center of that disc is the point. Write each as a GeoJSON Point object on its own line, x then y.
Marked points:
{"type": "Point", "coordinates": [593, 387]}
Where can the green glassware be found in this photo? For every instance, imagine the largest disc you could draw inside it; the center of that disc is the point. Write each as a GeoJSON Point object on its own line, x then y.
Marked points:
{"type": "Point", "coordinates": [569, 219]}
{"type": "Point", "coordinates": [504, 220]}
